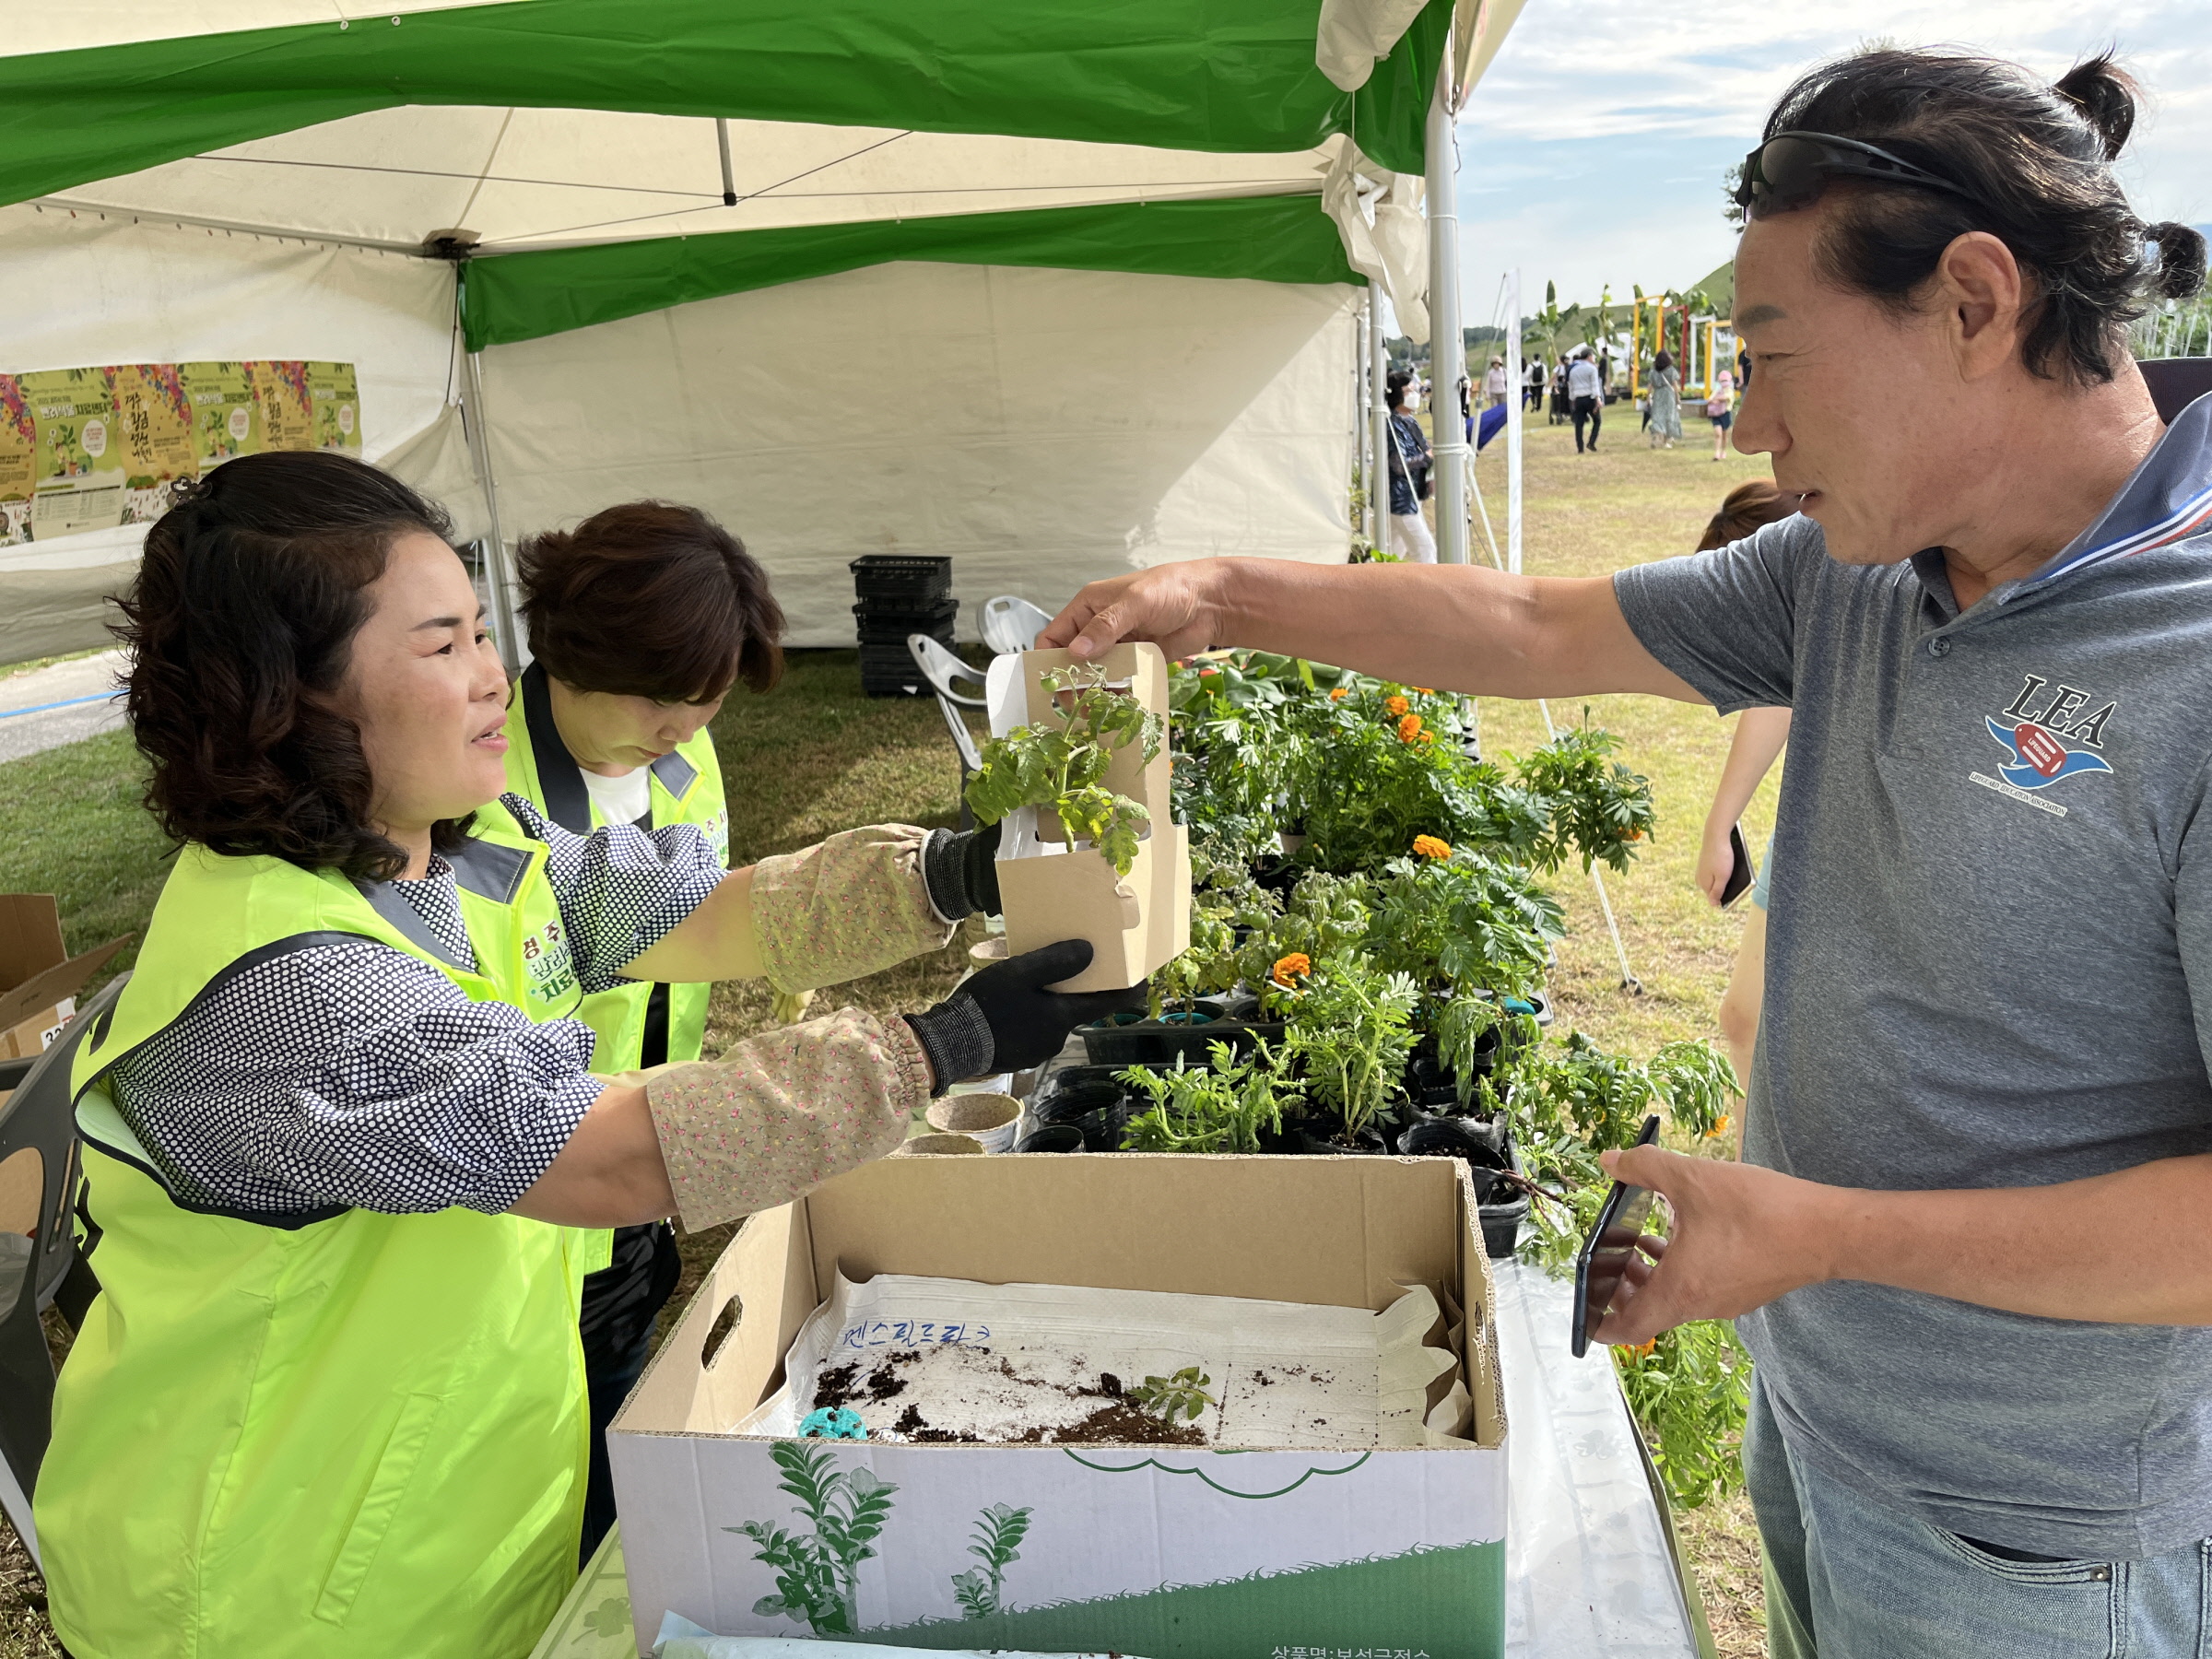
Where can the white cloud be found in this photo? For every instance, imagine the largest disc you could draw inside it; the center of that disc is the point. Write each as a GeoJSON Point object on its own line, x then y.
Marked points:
{"type": "Point", "coordinates": [1593, 150]}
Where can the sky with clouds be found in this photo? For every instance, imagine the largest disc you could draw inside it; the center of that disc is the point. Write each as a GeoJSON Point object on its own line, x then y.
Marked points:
{"type": "Point", "coordinates": [1593, 150]}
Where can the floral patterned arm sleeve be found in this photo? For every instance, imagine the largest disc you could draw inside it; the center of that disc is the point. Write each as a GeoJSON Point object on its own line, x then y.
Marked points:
{"type": "Point", "coordinates": [782, 1112]}
{"type": "Point", "coordinates": [852, 905]}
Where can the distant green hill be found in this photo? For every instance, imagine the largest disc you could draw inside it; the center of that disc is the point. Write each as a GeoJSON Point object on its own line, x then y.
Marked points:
{"type": "Point", "coordinates": [1721, 285]}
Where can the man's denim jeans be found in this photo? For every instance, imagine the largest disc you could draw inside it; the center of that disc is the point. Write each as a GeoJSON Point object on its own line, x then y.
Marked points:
{"type": "Point", "coordinates": [1848, 1578]}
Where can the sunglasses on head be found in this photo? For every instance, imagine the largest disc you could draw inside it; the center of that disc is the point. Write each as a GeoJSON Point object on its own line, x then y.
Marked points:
{"type": "Point", "coordinates": [1790, 169]}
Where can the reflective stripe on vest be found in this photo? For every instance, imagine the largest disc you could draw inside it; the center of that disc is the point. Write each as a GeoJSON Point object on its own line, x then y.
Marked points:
{"type": "Point", "coordinates": [686, 788]}
{"type": "Point", "coordinates": [348, 1434]}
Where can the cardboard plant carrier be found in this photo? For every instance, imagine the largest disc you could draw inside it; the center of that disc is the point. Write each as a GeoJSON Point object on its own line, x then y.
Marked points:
{"type": "Point", "coordinates": [1051, 890]}
{"type": "Point", "coordinates": [1169, 1552]}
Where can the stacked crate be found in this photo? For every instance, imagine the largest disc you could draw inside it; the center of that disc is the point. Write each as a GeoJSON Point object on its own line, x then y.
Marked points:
{"type": "Point", "coordinates": [899, 594]}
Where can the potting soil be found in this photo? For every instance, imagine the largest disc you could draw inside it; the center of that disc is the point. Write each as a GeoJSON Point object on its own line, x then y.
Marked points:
{"type": "Point", "coordinates": [932, 1360]}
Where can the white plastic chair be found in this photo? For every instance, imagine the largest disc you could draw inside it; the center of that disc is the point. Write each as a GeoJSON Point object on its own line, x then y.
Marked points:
{"type": "Point", "coordinates": [1009, 623]}
{"type": "Point", "coordinates": [945, 672]}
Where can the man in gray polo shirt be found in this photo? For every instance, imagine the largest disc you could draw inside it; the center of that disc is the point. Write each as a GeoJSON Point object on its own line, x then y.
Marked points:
{"type": "Point", "coordinates": [1971, 1243]}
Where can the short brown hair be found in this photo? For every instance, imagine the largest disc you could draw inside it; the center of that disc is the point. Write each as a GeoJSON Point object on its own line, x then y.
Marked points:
{"type": "Point", "coordinates": [241, 628]}
{"type": "Point", "coordinates": [1753, 503]}
{"type": "Point", "coordinates": [651, 599]}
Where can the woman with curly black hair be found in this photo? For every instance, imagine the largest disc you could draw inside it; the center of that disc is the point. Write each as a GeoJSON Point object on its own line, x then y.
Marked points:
{"type": "Point", "coordinates": [341, 1145]}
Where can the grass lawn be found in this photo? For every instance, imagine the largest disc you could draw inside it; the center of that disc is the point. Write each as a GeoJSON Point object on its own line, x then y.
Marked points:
{"type": "Point", "coordinates": [815, 756]}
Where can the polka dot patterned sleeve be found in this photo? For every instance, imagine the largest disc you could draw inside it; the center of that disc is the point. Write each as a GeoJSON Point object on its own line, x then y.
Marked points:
{"type": "Point", "coordinates": [622, 889]}
{"type": "Point", "coordinates": [354, 1074]}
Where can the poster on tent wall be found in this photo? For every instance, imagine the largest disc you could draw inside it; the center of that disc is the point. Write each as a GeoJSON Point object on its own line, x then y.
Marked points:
{"type": "Point", "coordinates": [93, 449]}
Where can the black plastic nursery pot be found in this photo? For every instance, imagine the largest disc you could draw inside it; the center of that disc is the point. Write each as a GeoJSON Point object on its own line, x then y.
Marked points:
{"type": "Point", "coordinates": [1091, 1100]}
{"type": "Point", "coordinates": [1369, 1142]}
{"type": "Point", "coordinates": [1133, 1039]}
{"type": "Point", "coordinates": [1055, 1137]}
{"type": "Point", "coordinates": [1487, 1144]}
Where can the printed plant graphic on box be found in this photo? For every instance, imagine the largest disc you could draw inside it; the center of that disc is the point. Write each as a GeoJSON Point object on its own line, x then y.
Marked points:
{"type": "Point", "coordinates": [981, 1590]}
{"type": "Point", "coordinates": [816, 1576]}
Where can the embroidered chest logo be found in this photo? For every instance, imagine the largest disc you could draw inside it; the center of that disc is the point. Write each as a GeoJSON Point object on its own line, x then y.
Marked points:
{"type": "Point", "coordinates": [2039, 732]}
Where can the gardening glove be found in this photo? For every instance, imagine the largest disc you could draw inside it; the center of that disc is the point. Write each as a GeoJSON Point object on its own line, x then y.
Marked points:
{"type": "Point", "coordinates": [1003, 1019]}
{"type": "Point", "coordinates": [783, 1111]}
{"type": "Point", "coordinates": [962, 871]}
{"type": "Point", "coordinates": [853, 905]}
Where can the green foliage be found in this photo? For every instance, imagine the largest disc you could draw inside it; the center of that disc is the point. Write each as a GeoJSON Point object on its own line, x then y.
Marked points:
{"type": "Point", "coordinates": [1594, 806]}
{"type": "Point", "coordinates": [1181, 1396]}
{"type": "Point", "coordinates": [1324, 919]}
{"type": "Point", "coordinates": [1473, 922]}
{"type": "Point", "coordinates": [981, 1590]}
{"type": "Point", "coordinates": [1061, 763]}
{"type": "Point", "coordinates": [1352, 1032]}
{"type": "Point", "coordinates": [815, 1577]}
{"type": "Point", "coordinates": [1219, 1108]}
{"type": "Point", "coordinates": [1698, 1084]}
{"type": "Point", "coordinates": [1691, 1391]}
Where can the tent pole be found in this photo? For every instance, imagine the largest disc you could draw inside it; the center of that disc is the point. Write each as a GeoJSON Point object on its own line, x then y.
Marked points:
{"type": "Point", "coordinates": [1513, 373]}
{"type": "Point", "coordinates": [1362, 470]}
{"type": "Point", "coordinates": [1447, 344]}
{"type": "Point", "coordinates": [729, 179]}
{"type": "Point", "coordinates": [497, 574]}
{"type": "Point", "coordinates": [1378, 424]}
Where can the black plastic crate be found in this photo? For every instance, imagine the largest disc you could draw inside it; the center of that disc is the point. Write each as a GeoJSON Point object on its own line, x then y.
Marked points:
{"type": "Point", "coordinates": [916, 578]}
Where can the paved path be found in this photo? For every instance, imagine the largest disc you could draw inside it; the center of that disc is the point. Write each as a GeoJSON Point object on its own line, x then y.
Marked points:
{"type": "Point", "coordinates": [80, 689]}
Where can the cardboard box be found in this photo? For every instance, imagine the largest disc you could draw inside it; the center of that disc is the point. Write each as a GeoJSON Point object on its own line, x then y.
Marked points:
{"type": "Point", "coordinates": [1172, 1553]}
{"type": "Point", "coordinates": [38, 978]}
{"type": "Point", "coordinates": [1051, 891]}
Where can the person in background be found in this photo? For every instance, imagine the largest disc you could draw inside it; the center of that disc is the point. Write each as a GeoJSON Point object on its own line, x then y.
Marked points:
{"type": "Point", "coordinates": [1558, 393]}
{"type": "Point", "coordinates": [1496, 388]}
{"type": "Point", "coordinates": [1720, 408]}
{"type": "Point", "coordinates": [641, 620]}
{"type": "Point", "coordinates": [1533, 396]}
{"type": "Point", "coordinates": [1743, 367]}
{"type": "Point", "coordinates": [1667, 402]}
{"type": "Point", "coordinates": [1585, 394]}
{"type": "Point", "coordinates": [1761, 734]}
{"type": "Point", "coordinates": [1410, 459]}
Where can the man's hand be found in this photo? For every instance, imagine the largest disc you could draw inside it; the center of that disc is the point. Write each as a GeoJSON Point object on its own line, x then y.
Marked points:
{"type": "Point", "coordinates": [1742, 1237]}
{"type": "Point", "coordinates": [1178, 606]}
{"type": "Point", "coordinates": [1716, 863]}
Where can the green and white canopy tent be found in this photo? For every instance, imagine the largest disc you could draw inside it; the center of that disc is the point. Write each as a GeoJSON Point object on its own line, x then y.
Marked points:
{"type": "Point", "coordinates": [1048, 287]}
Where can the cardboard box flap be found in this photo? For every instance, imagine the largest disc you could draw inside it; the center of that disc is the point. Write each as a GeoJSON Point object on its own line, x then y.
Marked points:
{"type": "Point", "coordinates": [42, 990]}
{"type": "Point", "coordinates": [30, 938]}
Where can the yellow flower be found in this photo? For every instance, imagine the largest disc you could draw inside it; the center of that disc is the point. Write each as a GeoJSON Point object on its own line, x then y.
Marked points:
{"type": "Point", "coordinates": [1720, 1128]}
{"type": "Point", "coordinates": [1396, 705]}
{"type": "Point", "coordinates": [1429, 846]}
{"type": "Point", "coordinates": [1297, 965]}
{"type": "Point", "coordinates": [1410, 728]}
{"type": "Point", "coordinates": [1339, 694]}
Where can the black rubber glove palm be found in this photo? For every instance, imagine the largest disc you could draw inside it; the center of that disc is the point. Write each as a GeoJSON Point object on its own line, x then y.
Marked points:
{"type": "Point", "coordinates": [1004, 1020]}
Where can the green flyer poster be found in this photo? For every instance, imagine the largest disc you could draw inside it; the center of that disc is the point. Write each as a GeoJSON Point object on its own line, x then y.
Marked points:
{"type": "Point", "coordinates": [18, 447]}
{"type": "Point", "coordinates": [288, 419]}
{"type": "Point", "coordinates": [336, 397]}
{"type": "Point", "coordinates": [77, 476]}
{"type": "Point", "coordinates": [225, 422]}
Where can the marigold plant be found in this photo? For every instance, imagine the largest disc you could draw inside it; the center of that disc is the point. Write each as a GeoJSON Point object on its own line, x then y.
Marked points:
{"type": "Point", "coordinates": [1297, 965]}
{"type": "Point", "coordinates": [1429, 846]}
{"type": "Point", "coordinates": [1339, 694]}
{"type": "Point", "coordinates": [1410, 728]}
{"type": "Point", "coordinates": [1396, 705]}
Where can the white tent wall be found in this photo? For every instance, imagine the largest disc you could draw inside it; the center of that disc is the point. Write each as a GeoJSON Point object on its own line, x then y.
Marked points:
{"type": "Point", "coordinates": [1044, 427]}
{"type": "Point", "coordinates": [83, 292]}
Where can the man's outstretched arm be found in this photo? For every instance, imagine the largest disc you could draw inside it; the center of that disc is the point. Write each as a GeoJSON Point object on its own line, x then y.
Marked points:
{"type": "Point", "coordinates": [1456, 628]}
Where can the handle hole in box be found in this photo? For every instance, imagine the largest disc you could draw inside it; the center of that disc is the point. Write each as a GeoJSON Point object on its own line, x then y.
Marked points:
{"type": "Point", "coordinates": [719, 1332]}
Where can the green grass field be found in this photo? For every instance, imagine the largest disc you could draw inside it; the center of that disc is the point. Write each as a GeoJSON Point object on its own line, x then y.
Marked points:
{"type": "Point", "coordinates": [815, 756]}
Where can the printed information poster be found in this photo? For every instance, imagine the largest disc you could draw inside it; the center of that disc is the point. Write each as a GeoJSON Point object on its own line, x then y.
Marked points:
{"type": "Point", "coordinates": [91, 449]}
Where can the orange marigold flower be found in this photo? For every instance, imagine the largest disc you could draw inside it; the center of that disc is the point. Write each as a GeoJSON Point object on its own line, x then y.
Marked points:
{"type": "Point", "coordinates": [1431, 846]}
{"type": "Point", "coordinates": [1297, 965]}
{"type": "Point", "coordinates": [1426, 690]}
{"type": "Point", "coordinates": [1720, 1128]}
{"type": "Point", "coordinates": [1396, 705]}
{"type": "Point", "coordinates": [1410, 728]}
{"type": "Point", "coordinates": [1642, 1350]}
{"type": "Point", "coordinates": [1428, 737]}
{"type": "Point", "coordinates": [1339, 694]}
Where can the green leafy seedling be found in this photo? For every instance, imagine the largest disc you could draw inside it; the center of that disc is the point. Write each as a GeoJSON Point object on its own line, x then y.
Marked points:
{"type": "Point", "coordinates": [1181, 1396]}
{"type": "Point", "coordinates": [1060, 761]}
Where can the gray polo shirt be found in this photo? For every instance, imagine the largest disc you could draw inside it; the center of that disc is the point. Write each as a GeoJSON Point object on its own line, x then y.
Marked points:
{"type": "Point", "coordinates": [1991, 897]}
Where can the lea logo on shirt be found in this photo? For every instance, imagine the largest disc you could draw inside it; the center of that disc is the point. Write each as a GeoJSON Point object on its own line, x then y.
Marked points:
{"type": "Point", "coordinates": [2038, 731]}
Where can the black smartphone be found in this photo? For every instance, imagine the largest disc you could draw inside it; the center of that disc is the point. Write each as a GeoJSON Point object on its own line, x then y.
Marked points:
{"type": "Point", "coordinates": [1604, 1257]}
{"type": "Point", "coordinates": [1741, 873]}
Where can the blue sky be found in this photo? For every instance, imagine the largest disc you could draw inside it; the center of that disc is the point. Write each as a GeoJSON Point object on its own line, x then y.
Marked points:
{"type": "Point", "coordinates": [1593, 150]}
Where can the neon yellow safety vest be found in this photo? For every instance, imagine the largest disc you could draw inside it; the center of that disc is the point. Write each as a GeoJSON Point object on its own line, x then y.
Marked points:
{"type": "Point", "coordinates": [685, 788]}
{"type": "Point", "coordinates": [338, 1434]}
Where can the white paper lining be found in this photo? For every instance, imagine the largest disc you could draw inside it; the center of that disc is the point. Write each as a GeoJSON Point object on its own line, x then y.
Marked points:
{"type": "Point", "coordinates": [991, 1361]}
